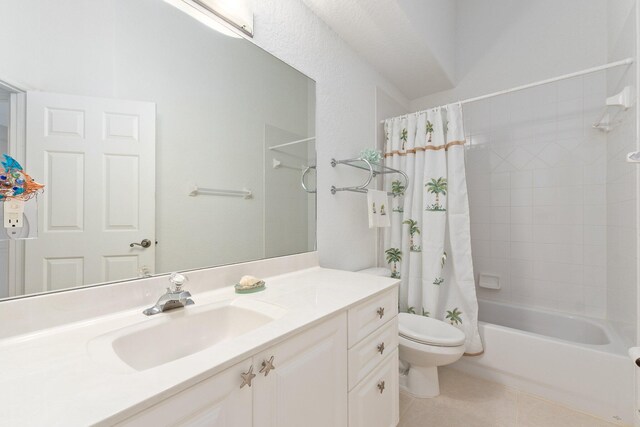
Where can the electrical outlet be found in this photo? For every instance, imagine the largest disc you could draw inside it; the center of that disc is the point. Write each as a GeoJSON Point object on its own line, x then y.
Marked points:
{"type": "Point", "coordinates": [13, 213]}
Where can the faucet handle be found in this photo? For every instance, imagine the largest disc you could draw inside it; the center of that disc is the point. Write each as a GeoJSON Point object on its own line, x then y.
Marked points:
{"type": "Point", "coordinates": [177, 280]}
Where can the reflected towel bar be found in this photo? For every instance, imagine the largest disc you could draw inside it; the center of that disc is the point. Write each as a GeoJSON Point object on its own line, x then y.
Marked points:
{"type": "Point", "coordinates": [195, 191]}
{"type": "Point", "coordinates": [286, 144]}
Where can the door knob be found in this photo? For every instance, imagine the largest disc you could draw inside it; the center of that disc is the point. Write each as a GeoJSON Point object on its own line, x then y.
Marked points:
{"type": "Point", "coordinates": [381, 347]}
{"type": "Point", "coordinates": [381, 386]}
{"type": "Point", "coordinates": [380, 311]}
{"type": "Point", "coordinates": [145, 243]}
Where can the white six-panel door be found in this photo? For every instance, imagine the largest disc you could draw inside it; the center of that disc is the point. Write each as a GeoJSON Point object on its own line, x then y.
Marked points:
{"type": "Point", "coordinates": [96, 158]}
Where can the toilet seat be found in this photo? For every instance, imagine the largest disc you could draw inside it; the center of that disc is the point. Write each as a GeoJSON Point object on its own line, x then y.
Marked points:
{"type": "Point", "coordinates": [425, 330]}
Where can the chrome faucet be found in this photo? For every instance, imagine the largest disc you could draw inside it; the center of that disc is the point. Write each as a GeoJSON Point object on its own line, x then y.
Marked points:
{"type": "Point", "coordinates": [175, 297]}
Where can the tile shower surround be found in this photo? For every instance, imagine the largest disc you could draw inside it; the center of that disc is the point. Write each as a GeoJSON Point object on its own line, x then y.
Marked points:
{"type": "Point", "coordinates": [536, 173]}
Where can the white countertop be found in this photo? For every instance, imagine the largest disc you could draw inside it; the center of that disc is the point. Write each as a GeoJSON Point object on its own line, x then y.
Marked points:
{"type": "Point", "coordinates": [49, 377]}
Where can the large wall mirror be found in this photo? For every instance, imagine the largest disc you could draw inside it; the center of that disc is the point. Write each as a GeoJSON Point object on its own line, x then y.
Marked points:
{"type": "Point", "coordinates": [163, 144]}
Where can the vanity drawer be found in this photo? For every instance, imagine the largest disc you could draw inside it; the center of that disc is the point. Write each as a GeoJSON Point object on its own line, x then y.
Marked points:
{"type": "Point", "coordinates": [371, 314]}
{"type": "Point", "coordinates": [368, 353]}
{"type": "Point", "coordinates": [375, 401]}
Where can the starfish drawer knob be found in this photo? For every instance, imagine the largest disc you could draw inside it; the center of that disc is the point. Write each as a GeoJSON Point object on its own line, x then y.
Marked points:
{"type": "Point", "coordinates": [267, 366]}
{"type": "Point", "coordinates": [247, 377]}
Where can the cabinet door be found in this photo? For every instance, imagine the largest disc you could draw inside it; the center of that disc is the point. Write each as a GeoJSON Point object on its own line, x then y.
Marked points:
{"type": "Point", "coordinates": [215, 402]}
{"type": "Point", "coordinates": [308, 384]}
{"type": "Point", "coordinates": [375, 401]}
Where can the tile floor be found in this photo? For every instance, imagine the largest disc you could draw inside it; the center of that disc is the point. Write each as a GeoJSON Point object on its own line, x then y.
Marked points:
{"type": "Point", "coordinates": [467, 401]}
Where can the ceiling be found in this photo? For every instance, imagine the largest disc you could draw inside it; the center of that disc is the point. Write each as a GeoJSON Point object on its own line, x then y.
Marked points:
{"type": "Point", "coordinates": [410, 42]}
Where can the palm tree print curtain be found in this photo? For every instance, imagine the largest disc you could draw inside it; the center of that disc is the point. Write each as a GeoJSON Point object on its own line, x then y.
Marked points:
{"type": "Point", "coordinates": [428, 245]}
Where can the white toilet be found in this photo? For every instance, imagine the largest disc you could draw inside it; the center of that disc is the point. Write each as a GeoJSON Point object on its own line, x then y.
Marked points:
{"type": "Point", "coordinates": [425, 344]}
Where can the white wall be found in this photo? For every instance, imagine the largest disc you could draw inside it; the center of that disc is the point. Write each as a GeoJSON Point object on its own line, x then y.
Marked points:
{"type": "Point", "coordinates": [622, 257]}
{"type": "Point", "coordinates": [435, 22]}
{"type": "Point", "coordinates": [536, 172]}
{"type": "Point", "coordinates": [346, 116]}
{"type": "Point", "coordinates": [505, 43]}
{"type": "Point", "coordinates": [406, 41]}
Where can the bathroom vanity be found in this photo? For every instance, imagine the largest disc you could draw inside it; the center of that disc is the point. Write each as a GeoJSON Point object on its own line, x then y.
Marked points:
{"type": "Point", "coordinates": [318, 347]}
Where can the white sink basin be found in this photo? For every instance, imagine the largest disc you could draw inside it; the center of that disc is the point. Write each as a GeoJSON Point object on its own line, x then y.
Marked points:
{"type": "Point", "coordinates": [169, 336]}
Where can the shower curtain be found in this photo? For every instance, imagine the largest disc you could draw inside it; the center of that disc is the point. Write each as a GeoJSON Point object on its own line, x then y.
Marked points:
{"type": "Point", "coordinates": [428, 245]}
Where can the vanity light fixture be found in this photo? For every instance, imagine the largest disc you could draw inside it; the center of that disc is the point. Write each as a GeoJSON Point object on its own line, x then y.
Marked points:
{"type": "Point", "coordinates": [229, 17]}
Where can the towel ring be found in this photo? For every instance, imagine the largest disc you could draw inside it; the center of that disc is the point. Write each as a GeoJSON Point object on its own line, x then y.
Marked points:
{"type": "Point", "coordinates": [304, 175]}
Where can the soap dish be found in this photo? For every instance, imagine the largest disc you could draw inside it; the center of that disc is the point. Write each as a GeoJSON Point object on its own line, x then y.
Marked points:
{"type": "Point", "coordinates": [256, 287]}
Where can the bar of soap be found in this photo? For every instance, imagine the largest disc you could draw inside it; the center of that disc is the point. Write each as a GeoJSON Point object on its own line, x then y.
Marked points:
{"type": "Point", "coordinates": [248, 282]}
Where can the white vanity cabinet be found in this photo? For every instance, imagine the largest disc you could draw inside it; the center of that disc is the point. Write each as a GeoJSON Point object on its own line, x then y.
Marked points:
{"type": "Point", "coordinates": [215, 402]}
{"type": "Point", "coordinates": [320, 346]}
{"type": "Point", "coordinates": [305, 384]}
{"type": "Point", "coordinates": [373, 362]}
{"type": "Point", "coordinates": [341, 372]}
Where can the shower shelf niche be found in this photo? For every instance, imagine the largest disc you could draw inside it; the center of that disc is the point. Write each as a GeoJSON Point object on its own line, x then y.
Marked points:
{"type": "Point", "coordinates": [373, 169]}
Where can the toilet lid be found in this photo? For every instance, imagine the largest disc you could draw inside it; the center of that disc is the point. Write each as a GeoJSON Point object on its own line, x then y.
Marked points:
{"type": "Point", "coordinates": [429, 331]}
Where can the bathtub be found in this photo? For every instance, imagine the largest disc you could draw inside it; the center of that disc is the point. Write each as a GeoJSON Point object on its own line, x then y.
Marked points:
{"type": "Point", "coordinates": [577, 361]}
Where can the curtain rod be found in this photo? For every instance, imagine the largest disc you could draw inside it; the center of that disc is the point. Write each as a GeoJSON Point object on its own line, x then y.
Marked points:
{"type": "Point", "coordinates": [286, 144]}
{"type": "Point", "coordinates": [627, 61]}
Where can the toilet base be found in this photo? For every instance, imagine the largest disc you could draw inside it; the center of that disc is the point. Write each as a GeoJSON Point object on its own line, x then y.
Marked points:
{"type": "Point", "coordinates": [421, 382]}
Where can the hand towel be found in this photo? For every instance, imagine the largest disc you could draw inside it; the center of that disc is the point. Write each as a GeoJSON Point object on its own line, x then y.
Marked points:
{"type": "Point", "coordinates": [378, 208]}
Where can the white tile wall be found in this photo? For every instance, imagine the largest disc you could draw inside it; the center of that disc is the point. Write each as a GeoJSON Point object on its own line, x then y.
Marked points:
{"type": "Point", "coordinates": [621, 228]}
{"type": "Point", "coordinates": [621, 185]}
{"type": "Point", "coordinates": [537, 189]}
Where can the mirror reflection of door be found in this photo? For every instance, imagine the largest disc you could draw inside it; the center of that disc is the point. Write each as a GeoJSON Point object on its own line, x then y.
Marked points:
{"type": "Point", "coordinates": [96, 157]}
